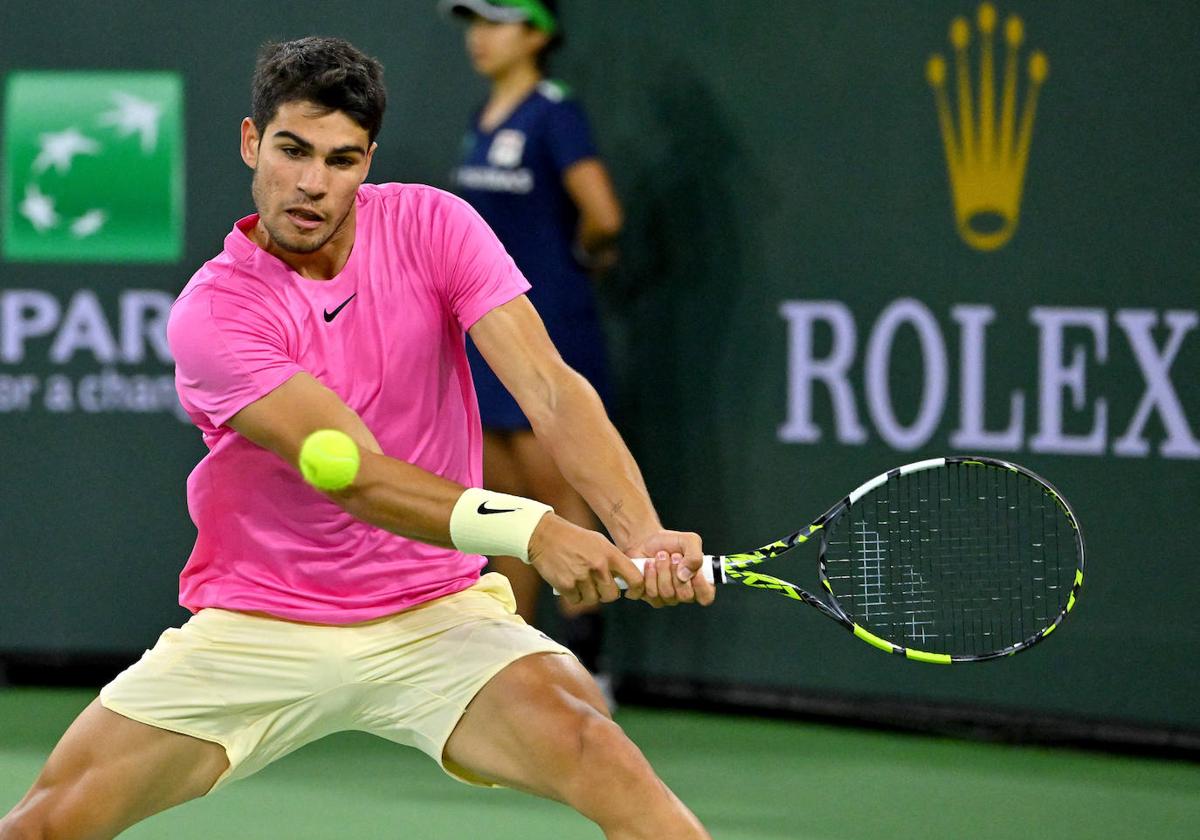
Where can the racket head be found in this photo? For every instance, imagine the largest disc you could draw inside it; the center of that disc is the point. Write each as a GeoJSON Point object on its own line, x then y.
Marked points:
{"type": "Point", "coordinates": [955, 559]}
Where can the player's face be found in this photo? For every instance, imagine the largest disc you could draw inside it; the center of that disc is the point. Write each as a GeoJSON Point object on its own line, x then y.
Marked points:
{"type": "Point", "coordinates": [308, 164]}
{"type": "Point", "coordinates": [495, 48]}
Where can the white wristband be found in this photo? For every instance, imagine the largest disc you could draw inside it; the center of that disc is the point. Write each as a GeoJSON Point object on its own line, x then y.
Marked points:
{"type": "Point", "coordinates": [484, 522]}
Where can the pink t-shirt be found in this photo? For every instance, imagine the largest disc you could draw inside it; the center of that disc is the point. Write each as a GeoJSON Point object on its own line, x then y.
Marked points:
{"type": "Point", "coordinates": [386, 335]}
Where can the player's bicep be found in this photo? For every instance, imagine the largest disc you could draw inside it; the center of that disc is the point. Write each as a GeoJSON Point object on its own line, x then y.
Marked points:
{"type": "Point", "coordinates": [283, 418]}
{"type": "Point", "coordinates": [513, 341]}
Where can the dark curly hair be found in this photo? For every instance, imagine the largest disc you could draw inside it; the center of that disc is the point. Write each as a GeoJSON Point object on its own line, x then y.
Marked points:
{"type": "Point", "coordinates": [331, 72]}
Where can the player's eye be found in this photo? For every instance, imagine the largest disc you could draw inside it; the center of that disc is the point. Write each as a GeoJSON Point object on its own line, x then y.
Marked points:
{"type": "Point", "coordinates": [341, 162]}
{"type": "Point", "coordinates": [293, 151]}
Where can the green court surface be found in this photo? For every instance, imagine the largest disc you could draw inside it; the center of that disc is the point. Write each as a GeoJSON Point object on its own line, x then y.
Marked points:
{"type": "Point", "coordinates": [747, 779]}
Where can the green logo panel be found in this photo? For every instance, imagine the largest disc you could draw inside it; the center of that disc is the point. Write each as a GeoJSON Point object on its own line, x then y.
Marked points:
{"type": "Point", "coordinates": [93, 167]}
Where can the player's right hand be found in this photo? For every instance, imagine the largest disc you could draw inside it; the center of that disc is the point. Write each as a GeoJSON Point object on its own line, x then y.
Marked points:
{"type": "Point", "coordinates": [580, 564]}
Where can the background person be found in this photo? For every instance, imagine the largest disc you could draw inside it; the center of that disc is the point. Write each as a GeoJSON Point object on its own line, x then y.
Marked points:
{"type": "Point", "coordinates": [531, 170]}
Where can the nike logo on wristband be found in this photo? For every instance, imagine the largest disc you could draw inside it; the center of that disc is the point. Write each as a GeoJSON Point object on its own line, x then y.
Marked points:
{"type": "Point", "coordinates": [484, 509]}
{"type": "Point", "coordinates": [329, 316]}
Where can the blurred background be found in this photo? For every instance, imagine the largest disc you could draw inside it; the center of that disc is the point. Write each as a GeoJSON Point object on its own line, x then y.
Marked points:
{"type": "Point", "coordinates": [808, 295]}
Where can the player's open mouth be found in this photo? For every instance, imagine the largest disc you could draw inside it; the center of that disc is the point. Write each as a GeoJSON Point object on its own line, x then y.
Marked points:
{"type": "Point", "coordinates": [306, 219]}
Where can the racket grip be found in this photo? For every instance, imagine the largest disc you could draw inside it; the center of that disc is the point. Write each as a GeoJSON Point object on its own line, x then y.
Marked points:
{"type": "Point", "coordinates": [706, 569]}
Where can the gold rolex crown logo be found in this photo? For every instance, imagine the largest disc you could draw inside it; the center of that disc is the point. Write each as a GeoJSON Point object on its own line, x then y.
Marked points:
{"type": "Point", "coordinates": [986, 162]}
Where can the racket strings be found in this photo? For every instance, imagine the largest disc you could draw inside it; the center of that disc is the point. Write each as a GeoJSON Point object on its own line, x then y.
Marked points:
{"type": "Point", "coordinates": [962, 559]}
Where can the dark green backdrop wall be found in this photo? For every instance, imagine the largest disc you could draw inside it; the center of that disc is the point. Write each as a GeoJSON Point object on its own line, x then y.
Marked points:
{"type": "Point", "coordinates": [797, 310]}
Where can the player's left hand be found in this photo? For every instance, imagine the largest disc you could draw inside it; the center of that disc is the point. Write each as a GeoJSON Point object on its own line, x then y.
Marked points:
{"type": "Point", "coordinates": [672, 573]}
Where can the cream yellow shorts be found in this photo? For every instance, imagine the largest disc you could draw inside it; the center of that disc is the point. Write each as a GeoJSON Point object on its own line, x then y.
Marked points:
{"type": "Point", "coordinates": [263, 687]}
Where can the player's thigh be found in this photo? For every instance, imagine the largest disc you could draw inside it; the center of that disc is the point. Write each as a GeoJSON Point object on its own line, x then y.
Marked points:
{"type": "Point", "coordinates": [525, 581]}
{"type": "Point", "coordinates": [501, 469]}
{"type": "Point", "coordinates": [502, 473]}
{"type": "Point", "coordinates": [546, 483]}
{"type": "Point", "coordinates": [108, 772]}
{"type": "Point", "coordinates": [541, 725]}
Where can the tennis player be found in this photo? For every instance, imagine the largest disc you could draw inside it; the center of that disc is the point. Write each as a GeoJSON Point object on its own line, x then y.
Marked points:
{"type": "Point", "coordinates": [343, 305]}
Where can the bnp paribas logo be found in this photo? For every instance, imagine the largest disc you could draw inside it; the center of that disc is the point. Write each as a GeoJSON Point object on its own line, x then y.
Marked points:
{"type": "Point", "coordinates": [987, 141]}
{"type": "Point", "coordinates": [93, 167]}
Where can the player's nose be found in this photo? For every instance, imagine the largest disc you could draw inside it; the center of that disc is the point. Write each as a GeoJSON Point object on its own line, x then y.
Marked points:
{"type": "Point", "coordinates": [314, 180]}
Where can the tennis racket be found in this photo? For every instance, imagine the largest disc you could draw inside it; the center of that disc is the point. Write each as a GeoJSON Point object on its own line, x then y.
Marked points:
{"type": "Point", "coordinates": [957, 559]}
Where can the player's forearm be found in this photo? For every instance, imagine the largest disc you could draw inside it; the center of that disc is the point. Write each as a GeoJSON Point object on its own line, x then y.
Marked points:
{"type": "Point", "coordinates": [591, 455]}
{"type": "Point", "coordinates": [402, 498]}
{"type": "Point", "coordinates": [406, 500]}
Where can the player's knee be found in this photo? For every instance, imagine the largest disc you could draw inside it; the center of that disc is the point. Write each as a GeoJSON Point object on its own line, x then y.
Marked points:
{"type": "Point", "coordinates": [605, 755]}
{"type": "Point", "coordinates": [50, 813]}
{"type": "Point", "coordinates": [23, 824]}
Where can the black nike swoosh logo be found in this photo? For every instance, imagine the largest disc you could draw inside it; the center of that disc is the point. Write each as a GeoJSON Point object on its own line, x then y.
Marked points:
{"type": "Point", "coordinates": [329, 316]}
{"type": "Point", "coordinates": [484, 509]}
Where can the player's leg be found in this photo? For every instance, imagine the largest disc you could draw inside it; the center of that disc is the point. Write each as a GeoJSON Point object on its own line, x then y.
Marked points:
{"type": "Point", "coordinates": [545, 483]}
{"type": "Point", "coordinates": [540, 726]}
{"type": "Point", "coordinates": [502, 472]}
{"type": "Point", "coordinates": [584, 625]}
{"type": "Point", "coordinates": [109, 772]}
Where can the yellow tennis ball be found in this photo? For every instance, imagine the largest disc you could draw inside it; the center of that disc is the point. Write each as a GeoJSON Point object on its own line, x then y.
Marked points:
{"type": "Point", "coordinates": [329, 460]}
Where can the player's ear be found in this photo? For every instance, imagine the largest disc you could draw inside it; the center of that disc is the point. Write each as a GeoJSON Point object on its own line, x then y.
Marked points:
{"type": "Point", "coordinates": [250, 142]}
{"type": "Point", "coordinates": [370, 157]}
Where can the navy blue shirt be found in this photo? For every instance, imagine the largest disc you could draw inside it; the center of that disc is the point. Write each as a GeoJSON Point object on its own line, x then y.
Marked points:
{"type": "Point", "coordinates": [513, 176]}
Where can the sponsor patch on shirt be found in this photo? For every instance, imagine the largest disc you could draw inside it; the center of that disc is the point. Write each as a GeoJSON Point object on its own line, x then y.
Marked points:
{"type": "Point", "coordinates": [507, 148]}
{"type": "Point", "coordinates": [490, 179]}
